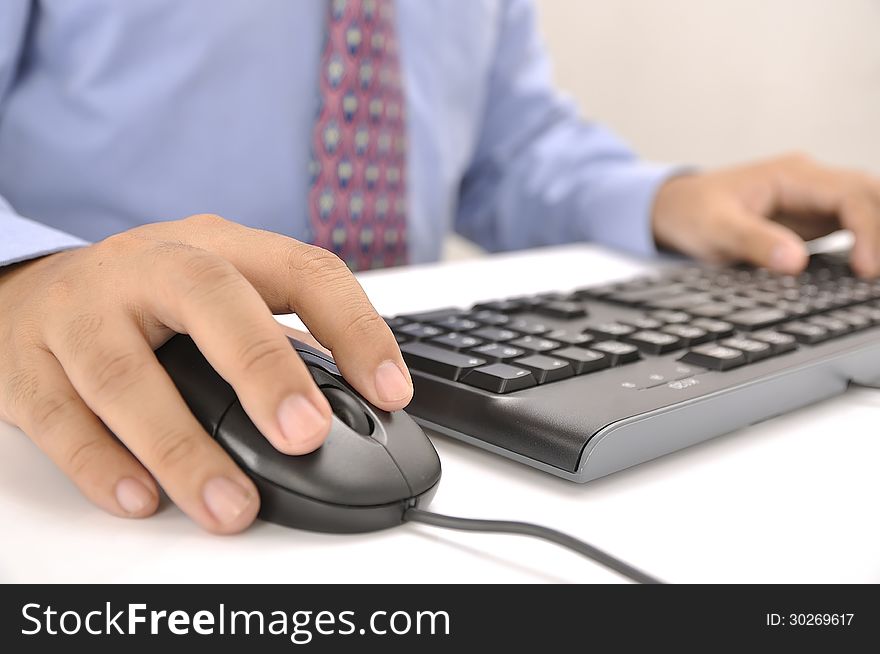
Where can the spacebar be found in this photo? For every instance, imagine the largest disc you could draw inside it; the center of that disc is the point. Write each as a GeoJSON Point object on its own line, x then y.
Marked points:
{"type": "Point", "coordinates": [438, 361]}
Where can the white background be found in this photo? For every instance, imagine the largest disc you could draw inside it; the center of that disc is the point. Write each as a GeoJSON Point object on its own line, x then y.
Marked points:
{"type": "Point", "coordinates": [716, 82]}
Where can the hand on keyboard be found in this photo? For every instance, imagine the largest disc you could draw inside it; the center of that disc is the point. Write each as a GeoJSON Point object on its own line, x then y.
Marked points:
{"type": "Point", "coordinates": [762, 213]}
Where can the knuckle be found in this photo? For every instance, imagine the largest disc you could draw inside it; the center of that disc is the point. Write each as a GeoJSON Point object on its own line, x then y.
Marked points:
{"type": "Point", "coordinates": [116, 243]}
{"type": "Point", "coordinates": [205, 274]}
{"type": "Point", "coordinates": [21, 388]}
{"type": "Point", "coordinates": [82, 332]}
{"type": "Point", "coordinates": [173, 448]}
{"type": "Point", "coordinates": [51, 409]}
{"type": "Point", "coordinates": [363, 325]}
{"type": "Point", "coordinates": [206, 220]}
{"type": "Point", "coordinates": [261, 353]}
{"type": "Point", "coordinates": [314, 262]}
{"type": "Point", "coordinates": [83, 456]}
{"type": "Point", "coordinates": [59, 291]}
{"type": "Point", "coordinates": [114, 372]}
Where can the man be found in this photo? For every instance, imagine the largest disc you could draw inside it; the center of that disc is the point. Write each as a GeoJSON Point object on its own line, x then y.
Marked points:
{"type": "Point", "coordinates": [368, 128]}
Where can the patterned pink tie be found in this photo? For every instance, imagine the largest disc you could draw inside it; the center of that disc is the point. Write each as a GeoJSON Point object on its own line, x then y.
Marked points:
{"type": "Point", "coordinates": [357, 199]}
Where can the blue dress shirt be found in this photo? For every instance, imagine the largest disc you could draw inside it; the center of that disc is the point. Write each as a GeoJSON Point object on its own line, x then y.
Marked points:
{"type": "Point", "coordinates": [113, 114]}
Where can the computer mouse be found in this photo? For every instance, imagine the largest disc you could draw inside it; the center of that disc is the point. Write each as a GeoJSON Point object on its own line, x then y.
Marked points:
{"type": "Point", "coordinates": [373, 466]}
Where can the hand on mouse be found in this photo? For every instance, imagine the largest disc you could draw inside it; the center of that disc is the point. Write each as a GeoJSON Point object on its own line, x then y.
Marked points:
{"type": "Point", "coordinates": [761, 213]}
{"type": "Point", "coordinates": [77, 334]}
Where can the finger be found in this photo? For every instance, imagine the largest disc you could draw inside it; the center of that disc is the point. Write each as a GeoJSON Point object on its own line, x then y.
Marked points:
{"type": "Point", "coordinates": [205, 296]}
{"type": "Point", "coordinates": [860, 214]}
{"type": "Point", "coordinates": [60, 424]}
{"type": "Point", "coordinates": [745, 236]}
{"type": "Point", "coordinates": [316, 285]}
{"type": "Point", "coordinates": [116, 373]}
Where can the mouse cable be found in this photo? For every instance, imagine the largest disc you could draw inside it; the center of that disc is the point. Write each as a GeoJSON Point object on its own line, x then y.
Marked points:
{"type": "Point", "coordinates": [536, 531]}
{"type": "Point", "coordinates": [855, 384]}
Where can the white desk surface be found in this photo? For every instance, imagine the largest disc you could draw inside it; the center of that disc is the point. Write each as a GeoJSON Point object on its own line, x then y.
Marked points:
{"type": "Point", "coordinates": [793, 499]}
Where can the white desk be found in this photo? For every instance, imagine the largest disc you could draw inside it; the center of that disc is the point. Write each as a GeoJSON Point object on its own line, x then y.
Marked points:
{"type": "Point", "coordinates": [793, 499]}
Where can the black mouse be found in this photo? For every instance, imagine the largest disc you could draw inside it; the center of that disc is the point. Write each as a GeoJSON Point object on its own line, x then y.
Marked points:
{"type": "Point", "coordinates": [373, 466]}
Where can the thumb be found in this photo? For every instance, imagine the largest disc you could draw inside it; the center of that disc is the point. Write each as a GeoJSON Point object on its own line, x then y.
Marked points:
{"type": "Point", "coordinates": [749, 237]}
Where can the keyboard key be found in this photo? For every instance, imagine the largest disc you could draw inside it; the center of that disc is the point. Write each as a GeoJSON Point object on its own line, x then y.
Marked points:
{"type": "Point", "coordinates": [778, 341]}
{"type": "Point", "coordinates": [535, 344]}
{"type": "Point", "coordinates": [457, 324]}
{"type": "Point", "coordinates": [545, 369]}
{"type": "Point", "coordinates": [438, 361]}
{"type": "Point", "coordinates": [400, 338]}
{"type": "Point", "coordinates": [494, 334]}
{"type": "Point", "coordinates": [499, 378]}
{"type": "Point", "coordinates": [819, 304]}
{"type": "Point", "coordinates": [714, 357]}
{"type": "Point", "coordinates": [715, 328]}
{"type": "Point", "coordinates": [396, 322]}
{"type": "Point", "coordinates": [639, 296]}
{"type": "Point", "coordinates": [610, 330]}
{"type": "Point", "coordinates": [498, 352]}
{"type": "Point", "coordinates": [643, 323]}
{"type": "Point", "coordinates": [431, 316]}
{"type": "Point", "coordinates": [529, 302]}
{"type": "Point", "coordinates": [683, 302]}
{"type": "Point", "coordinates": [761, 297]}
{"type": "Point", "coordinates": [835, 326]}
{"type": "Point", "coordinates": [562, 310]}
{"type": "Point", "coordinates": [491, 318]}
{"type": "Point", "coordinates": [756, 318]}
{"type": "Point", "coordinates": [670, 317]}
{"type": "Point", "coordinates": [572, 338]}
{"type": "Point", "coordinates": [869, 312]}
{"type": "Point", "coordinates": [499, 306]}
{"type": "Point", "coordinates": [618, 353]}
{"type": "Point", "coordinates": [689, 334]}
{"type": "Point", "coordinates": [713, 310]}
{"type": "Point", "coordinates": [794, 308]}
{"type": "Point", "coordinates": [601, 291]}
{"type": "Point", "coordinates": [805, 333]}
{"type": "Point", "coordinates": [530, 327]}
{"type": "Point", "coordinates": [754, 350]}
{"type": "Point", "coordinates": [456, 341]}
{"type": "Point", "coordinates": [738, 301]}
{"type": "Point", "coordinates": [582, 360]}
{"type": "Point", "coordinates": [855, 320]}
{"type": "Point", "coordinates": [418, 331]}
{"type": "Point", "coordinates": [550, 296]}
{"type": "Point", "coordinates": [651, 342]}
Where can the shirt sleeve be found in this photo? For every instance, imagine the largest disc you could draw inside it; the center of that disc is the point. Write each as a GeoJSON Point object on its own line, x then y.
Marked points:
{"type": "Point", "coordinates": [20, 238]}
{"type": "Point", "coordinates": [540, 174]}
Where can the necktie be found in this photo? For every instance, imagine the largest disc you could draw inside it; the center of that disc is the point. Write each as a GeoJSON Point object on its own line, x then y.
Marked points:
{"type": "Point", "coordinates": [357, 197]}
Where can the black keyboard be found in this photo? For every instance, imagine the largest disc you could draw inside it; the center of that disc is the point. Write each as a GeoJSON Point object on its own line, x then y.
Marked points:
{"type": "Point", "coordinates": [586, 382]}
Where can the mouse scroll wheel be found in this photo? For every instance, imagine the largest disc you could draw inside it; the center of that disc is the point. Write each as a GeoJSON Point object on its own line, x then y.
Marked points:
{"type": "Point", "coordinates": [348, 410]}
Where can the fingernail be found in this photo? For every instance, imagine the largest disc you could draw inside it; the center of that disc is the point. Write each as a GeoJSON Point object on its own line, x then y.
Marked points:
{"type": "Point", "coordinates": [787, 258]}
{"type": "Point", "coordinates": [132, 495]}
{"type": "Point", "coordinates": [391, 384]}
{"type": "Point", "coordinates": [300, 420]}
{"type": "Point", "coordinates": [225, 499]}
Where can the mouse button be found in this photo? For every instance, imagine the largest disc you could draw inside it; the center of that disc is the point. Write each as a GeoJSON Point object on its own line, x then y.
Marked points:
{"type": "Point", "coordinates": [411, 450]}
{"type": "Point", "coordinates": [348, 409]}
{"type": "Point", "coordinates": [322, 376]}
{"type": "Point", "coordinates": [312, 355]}
{"type": "Point", "coordinates": [347, 469]}
{"type": "Point", "coordinates": [205, 392]}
